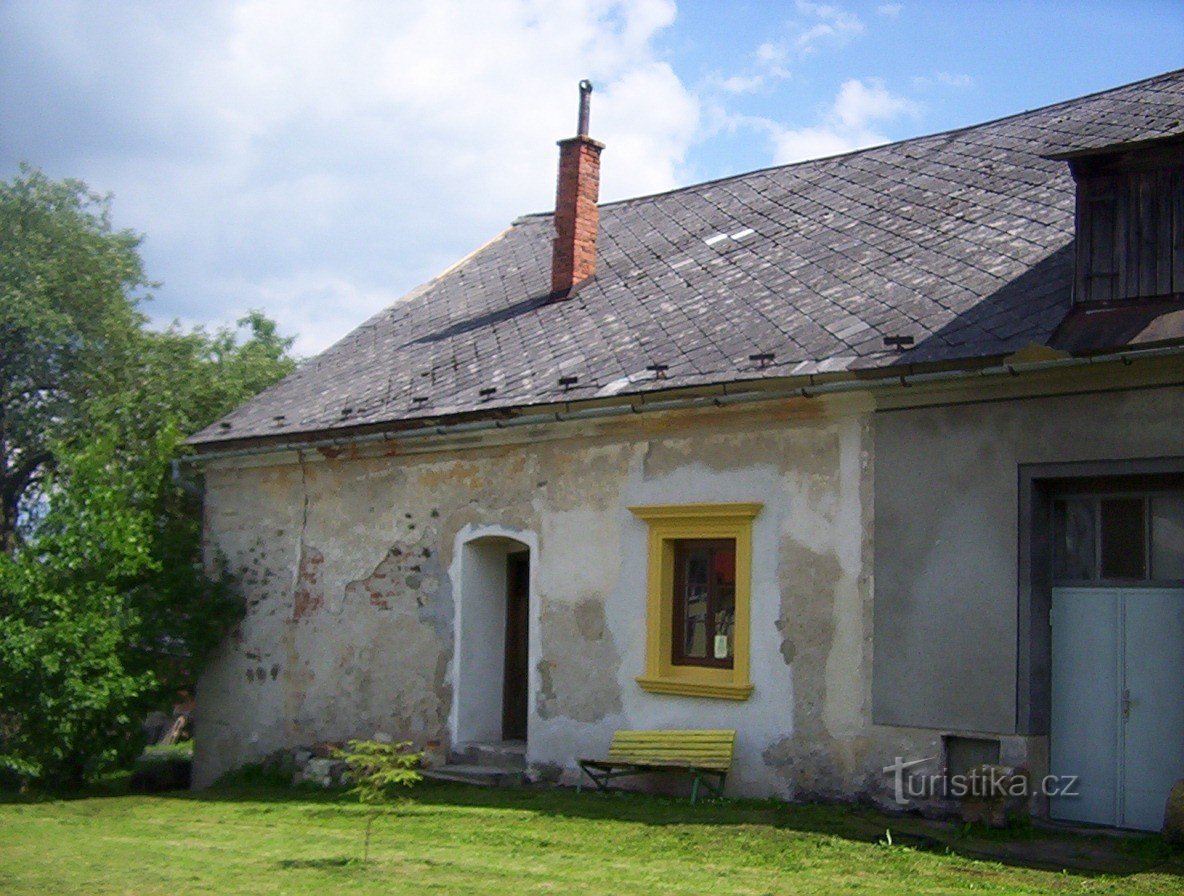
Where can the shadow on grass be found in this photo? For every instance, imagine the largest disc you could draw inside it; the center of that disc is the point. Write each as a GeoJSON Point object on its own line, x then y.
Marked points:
{"type": "Point", "coordinates": [331, 862]}
{"type": "Point", "coordinates": [1082, 855]}
{"type": "Point", "coordinates": [113, 785]}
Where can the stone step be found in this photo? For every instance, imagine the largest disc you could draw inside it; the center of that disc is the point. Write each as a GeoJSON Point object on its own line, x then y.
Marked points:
{"type": "Point", "coordinates": [481, 775]}
{"type": "Point", "coordinates": [506, 754]}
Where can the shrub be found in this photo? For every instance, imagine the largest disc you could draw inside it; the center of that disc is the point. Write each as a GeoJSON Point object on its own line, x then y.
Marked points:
{"type": "Point", "coordinates": [377, 768]}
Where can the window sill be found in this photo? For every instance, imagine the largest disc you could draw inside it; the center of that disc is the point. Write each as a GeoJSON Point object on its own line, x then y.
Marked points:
{"type": "Point", "coordinates": [687, 688]}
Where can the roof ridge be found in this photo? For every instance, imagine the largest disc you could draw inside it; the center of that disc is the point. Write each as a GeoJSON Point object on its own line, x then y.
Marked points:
{"type": "Point", "coordinates": [854, 152]}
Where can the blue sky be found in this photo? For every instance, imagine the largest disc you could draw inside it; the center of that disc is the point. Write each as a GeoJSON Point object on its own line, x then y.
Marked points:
{"type": "Point", "coordinates": [317, 160]}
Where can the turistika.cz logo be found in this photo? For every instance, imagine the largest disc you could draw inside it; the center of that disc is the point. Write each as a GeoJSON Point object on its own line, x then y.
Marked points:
{"type": "Point", "coordinates": [986, 782]}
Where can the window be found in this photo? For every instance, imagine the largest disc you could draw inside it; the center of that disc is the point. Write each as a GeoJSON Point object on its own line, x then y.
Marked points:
{"type": "Point", "coordinates": [704, 602]}
{"type": "Point", "coordinates": [1129, 217]}
{"type": "Point", "coordinates": [1119, 538]}
{"type": "Point", "coordinates": [698, 595]}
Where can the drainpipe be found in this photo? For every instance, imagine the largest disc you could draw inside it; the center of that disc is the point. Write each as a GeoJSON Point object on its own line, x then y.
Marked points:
{"type": "Point", "coordinates": [723, 399]}
{"type": "Point", "coordinates": [187, 485]}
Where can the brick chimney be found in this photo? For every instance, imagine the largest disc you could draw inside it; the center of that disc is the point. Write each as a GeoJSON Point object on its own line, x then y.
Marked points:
{"type": "Point", "coordinates": [573, 257]}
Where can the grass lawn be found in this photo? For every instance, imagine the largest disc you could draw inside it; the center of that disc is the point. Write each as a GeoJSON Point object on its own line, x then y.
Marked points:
{"type": "Point", "coordinates": [456, 839]}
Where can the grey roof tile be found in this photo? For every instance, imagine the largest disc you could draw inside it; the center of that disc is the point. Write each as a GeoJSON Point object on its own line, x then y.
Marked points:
{"type": "Point", "coordinates": [960, 240]}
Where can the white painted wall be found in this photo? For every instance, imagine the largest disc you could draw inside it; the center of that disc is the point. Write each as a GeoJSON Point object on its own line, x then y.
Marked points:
{"type": "Point", "coordinates": [478, 573]}
{"type": "Point", "coordinates": [414, 645]}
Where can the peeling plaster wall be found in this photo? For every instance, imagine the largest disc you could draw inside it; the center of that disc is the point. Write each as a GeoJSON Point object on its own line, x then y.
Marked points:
{"type": "Point", "coordinates": [350, 565]}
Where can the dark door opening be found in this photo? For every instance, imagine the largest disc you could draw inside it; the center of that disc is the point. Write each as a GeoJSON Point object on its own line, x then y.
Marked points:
{"type": "Point", "coordinates": [514, 689]}
{"type": "Point", "coordinates": [1102, 632]}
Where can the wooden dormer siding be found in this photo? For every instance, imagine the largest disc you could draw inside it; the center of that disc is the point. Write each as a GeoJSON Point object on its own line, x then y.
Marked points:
{"type": "Point", "coordinates": [1130, 224]}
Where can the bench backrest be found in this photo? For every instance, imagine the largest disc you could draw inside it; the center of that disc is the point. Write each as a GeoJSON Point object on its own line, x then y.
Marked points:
{"type": "Point", "coordinates": [710, 749]}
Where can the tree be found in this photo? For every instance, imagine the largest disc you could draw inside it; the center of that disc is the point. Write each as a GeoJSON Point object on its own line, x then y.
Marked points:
{"type": "Point", "coordinates": [67, 690]}
{"type": "Point", "coordinates": [188, 381]}
{"type": "Point", "coordinates": [105, 611]}
{"type": "Point", "coordinates": [69, 287]}
{"type": "Point", "coordinates": [377, 768]}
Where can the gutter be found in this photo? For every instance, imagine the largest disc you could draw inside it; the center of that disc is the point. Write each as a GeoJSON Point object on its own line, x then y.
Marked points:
{"type": "Point", "coordinates": [723, 400]}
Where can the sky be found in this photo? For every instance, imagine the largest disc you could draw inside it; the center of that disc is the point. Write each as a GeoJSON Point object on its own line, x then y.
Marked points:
{"type": "Point", "coordinates": [318, 160]}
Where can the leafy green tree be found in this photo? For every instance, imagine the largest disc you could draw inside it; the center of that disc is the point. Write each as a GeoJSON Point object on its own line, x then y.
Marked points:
{"type": "Point", "coordinates": [70, 697]}
{"type": "Point", "coordinates": [105, 611]}
{"type": "Point", "coordinates": [203, 377]}
{"type": "Point", "coordinates": [69, 287]}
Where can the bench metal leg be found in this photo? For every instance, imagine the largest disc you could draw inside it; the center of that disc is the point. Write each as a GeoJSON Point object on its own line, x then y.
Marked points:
{"type": "Point", "coordinates": [717, 789]}
{"type": "Point", "coordinates": [599, 777]}
{"type": "Point", "coordinates": [712, 780]}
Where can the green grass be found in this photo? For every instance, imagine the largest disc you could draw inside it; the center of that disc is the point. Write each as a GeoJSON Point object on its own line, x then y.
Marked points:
{"type": "Point", "coordinates": [453, 839]}
{"type": "Point", "coordinates": [182, 749]}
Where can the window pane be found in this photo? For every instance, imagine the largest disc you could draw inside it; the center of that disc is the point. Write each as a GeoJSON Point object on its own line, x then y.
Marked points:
{"type": "Point", "coordinates": [1167, 537]}
{"type": "Point", "coordinates": [1073, 540]}
{"type": "Point", "coordinates": [695, 585]}
{"type": "Point", "coordinates": [723, 566]}
{"type": "Point", "coordinates": [725, 622]}
{"type": "Point", "coordinates": [1124, 545]}
{"type": "Point", "coordinates": [723, 570]}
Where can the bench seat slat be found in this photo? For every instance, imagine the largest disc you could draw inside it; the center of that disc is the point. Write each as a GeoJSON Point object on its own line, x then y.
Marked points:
{"type": "Point", "coordinates": [658, 764]}
{"type": "Point", "coordinates": [702, 746]}
{"type": "Point", "coordinates": [695, 751]}
{"type": "Point", "coordinates": [670, 758]}
{"type": "Point", "coordinates": [670, 748]}
{"type": "Point", "coordinates": [680, 734]}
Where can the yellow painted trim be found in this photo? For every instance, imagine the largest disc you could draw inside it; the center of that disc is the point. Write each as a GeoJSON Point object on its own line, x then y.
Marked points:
{"type": "Point", "coordinates": [696, 511]}
{"type": "Point", "coordinates": [692, 689]}
{"type": "Point", "coordinates": [667, 524]}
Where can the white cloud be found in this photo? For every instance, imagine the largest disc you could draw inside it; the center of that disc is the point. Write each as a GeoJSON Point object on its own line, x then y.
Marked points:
{"type": "Point", "coordinates": [943, 79]}
{"type": "Point", "coordinates": [739, 83]}
{"type": "Point", "coordinates": [889, 10]}
{"type": "Point", "coordinates": [819, 24]}
{"type": "Point", "coordinates": [850, 123]}
{"type": "Point", "coordinates": [799, 144]}
{"type": "Point", "coordinates": [645, 160]}
{"type": "Point", "coordinates": [861, 103]}
{"type": "Point", "coordinates": [770, 54]}
{"type": "Point", "coordinates": [316, 159]}
{"type": "Point", "coordinates": [826, 24]}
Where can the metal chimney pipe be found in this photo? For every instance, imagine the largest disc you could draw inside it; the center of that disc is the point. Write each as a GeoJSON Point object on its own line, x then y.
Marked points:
{"type": "Point", "coordinates": [585, 104]}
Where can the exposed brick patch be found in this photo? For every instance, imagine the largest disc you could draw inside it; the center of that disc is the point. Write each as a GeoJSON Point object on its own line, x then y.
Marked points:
{"type": "Point", "coordinates": [382, 584]}
{"type": "Point", "coordinates": [308, 596]}
{"type": "Point", "coordinates": [399, 575]}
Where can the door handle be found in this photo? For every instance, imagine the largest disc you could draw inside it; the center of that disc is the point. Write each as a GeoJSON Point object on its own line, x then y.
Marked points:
{"type": "Point", "coordinates": [1126, 703]}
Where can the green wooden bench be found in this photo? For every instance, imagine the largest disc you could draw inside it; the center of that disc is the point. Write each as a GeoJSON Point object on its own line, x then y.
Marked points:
{"type": "Point", "coordinates": [705, 755]}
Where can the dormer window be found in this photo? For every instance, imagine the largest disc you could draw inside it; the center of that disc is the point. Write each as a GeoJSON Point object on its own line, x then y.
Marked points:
{"type": "Point", "coordinates": [1130, 222]}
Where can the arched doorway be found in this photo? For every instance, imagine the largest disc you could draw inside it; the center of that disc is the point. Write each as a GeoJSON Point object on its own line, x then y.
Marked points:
{"type": "Point", "coordinates": [491, 693]}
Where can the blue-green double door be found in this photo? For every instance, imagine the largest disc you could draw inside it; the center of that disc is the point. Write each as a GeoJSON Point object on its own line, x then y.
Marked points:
{"type": "Point", "coordinates": [1117, 723]}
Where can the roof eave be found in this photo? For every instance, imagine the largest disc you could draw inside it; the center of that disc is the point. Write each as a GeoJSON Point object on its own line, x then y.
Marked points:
{"type": "Point", "coordinates": [1032, 359]}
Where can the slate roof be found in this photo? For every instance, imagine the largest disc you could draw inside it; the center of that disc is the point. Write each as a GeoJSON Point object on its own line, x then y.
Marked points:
{"type": "Point", "coordinates": [961, 240]}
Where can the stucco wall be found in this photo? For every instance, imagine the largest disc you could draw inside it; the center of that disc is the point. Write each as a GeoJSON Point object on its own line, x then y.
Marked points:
{"type": "Point", "coordinates": [946, 535]}
{"type": "Point", "coordinates": [352, 566]}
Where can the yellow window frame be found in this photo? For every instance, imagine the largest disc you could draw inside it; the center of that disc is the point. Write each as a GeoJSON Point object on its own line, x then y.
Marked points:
{"type": "Point", "coordinates": [669, 523]}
